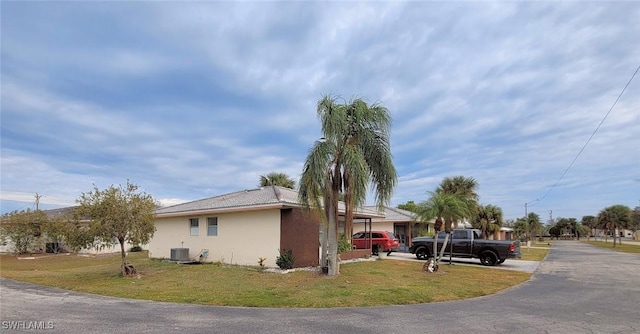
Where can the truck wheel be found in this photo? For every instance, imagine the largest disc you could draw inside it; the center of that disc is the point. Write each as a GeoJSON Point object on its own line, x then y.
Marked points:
{"type": "Point", "coordinates": [375, 249]}
{"type": "Point", "coordinates": [501, 261]}
{"type": "Point", "coordinates": [422, 254]}
{"type": "Point", "coordinates": [488, 258]}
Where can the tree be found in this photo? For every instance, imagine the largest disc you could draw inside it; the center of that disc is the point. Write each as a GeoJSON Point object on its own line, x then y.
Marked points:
{"type": "Point", "coordinates": [22, 228]}
{"type": "Point", "coordinates": [277, 179]}
{"type": "Point", "coordinates": [635, 221]}
{"type": "Point", "coordinates": [409, 206]}
{"type": "Point", "coordinates": [445, 208]}
{"type": "Point", "coordinates": [613, 218]}
{"type": "Point", "coordinates": [520, 228]}
{"type": "Point", "coordinates": [55, 230]}
{"type": "Point", "coordinates": [488, 219]}
{"type": "Point", "coordinates": [591, 222]}
{"type": "Point", "coordinates": [532, 224]}
{"type": "Point", "coordinates": [120, 213]}
{"type": "Point", "coordinates": [464, 188]}
{"type": "Point", "coordinates": [353, 153]}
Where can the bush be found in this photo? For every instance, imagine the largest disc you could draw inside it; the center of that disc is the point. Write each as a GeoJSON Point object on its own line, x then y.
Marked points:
{"type": "Point", "coordinates": [285, 260]}
{"type": "Point", "coordinates": [343, 244]}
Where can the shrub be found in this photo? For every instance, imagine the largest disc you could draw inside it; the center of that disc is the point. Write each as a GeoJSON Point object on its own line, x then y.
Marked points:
{"type": "Point", "coordinates": [343, 244]}
{"type": "Point", "coordinates": [285, 260]}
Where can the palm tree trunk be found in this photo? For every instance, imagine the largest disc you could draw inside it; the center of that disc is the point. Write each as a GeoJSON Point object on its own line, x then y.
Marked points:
{"type": "Point", "coordinates": [324, 245]}
{"type": "Point", "coordinates": [334, 265]}
{"type": "Point", "coordinates": [444, 246]}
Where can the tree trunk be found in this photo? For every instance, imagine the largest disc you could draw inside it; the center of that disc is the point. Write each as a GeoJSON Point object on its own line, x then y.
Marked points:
{"type": "Point", "coordinates": [334, 265]}
{"type": "Point", "coordinates": [444, 245]}
{"type": "Point", "coordinates": [324, 244]}
{"type": "Point", "coordinates": [123, 255]}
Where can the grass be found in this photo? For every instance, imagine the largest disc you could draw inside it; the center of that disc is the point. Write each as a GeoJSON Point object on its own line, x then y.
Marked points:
{"type": "Point", "coordinates": [372, 283]}
{"type": "Point", "coordinates": [533, 254]}
{"type": "Point", "coordinates": [538, 252]}
{"type": "Point", "coordinates": [625, 248]}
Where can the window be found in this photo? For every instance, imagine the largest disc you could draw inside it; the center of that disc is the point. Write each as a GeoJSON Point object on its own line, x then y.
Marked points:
{"type": "Point", "coordinates": [460, 234]}
{"type": "Point", "coordinates": [195, 226]}
{"type": "Point", "coordinates": [212, 226]}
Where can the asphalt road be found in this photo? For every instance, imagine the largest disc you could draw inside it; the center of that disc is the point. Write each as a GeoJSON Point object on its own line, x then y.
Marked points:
{"type": "Point", "coordinates": [578, 289]}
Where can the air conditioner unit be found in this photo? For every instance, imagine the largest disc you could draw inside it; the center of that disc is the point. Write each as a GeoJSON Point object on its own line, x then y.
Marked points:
{"type": "Point", "coordinates": [179, 254]}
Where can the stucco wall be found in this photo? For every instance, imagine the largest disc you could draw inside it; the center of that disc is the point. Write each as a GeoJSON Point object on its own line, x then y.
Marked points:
{"type": "Point", "coordinates": [242, 237]}
{"type": "Point", "coordinates": [375, 226]}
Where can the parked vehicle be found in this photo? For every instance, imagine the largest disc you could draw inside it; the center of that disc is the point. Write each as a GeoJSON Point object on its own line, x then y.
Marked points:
{"type": "Point", "coordinates": [376, 240]}
{"type": "Point", "coordinates": [466, 243]}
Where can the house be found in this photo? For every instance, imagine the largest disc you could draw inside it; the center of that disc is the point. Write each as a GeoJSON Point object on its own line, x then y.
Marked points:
{"type": "Point", "coordinates": [44, 243]}
{"type": "Point", "coordinates": [401, 222]}
{"type": "Point", "coordinates": [241, 228]}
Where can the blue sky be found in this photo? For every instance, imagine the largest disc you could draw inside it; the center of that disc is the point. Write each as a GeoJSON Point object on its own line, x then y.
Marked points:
{"type": "Point", "coordinates": [195, 99]}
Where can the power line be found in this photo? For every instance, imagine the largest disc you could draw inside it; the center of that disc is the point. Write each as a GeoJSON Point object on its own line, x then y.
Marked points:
{"type": "Point", "coordinates": [593, 134]}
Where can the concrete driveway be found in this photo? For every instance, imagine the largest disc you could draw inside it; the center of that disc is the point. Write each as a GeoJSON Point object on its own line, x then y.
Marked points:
{"type": "Point", "coordinates": [509, 264]}
{"type": "Point", "coordinates": [578, 289]}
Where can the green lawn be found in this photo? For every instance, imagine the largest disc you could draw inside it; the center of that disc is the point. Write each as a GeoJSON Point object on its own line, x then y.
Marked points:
{"type": "Point", "coordinates": [382, 282]}
{"type": "Point", "coordinates": [624, 247]}
{"type": "Point", "coordinates": [534, 254]}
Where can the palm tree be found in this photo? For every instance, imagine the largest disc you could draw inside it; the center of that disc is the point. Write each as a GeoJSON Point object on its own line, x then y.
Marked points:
{"type": "Point", "coordinates": [445, 208]}
{"type": "Point", "coordinates": [277, 179]}
{"type": "Point", "coordinates": [488, 219]}
{"type": "Point", "coordinates": [613, 218]}
{"type": "Point", "coordinates": [353, 152]}
{"type": "Point", "coordinates": [464, 188]}
{"type": "Point", "coordinates": [532, 224]}
{"type": "Point", "coordinates": [591, 222]}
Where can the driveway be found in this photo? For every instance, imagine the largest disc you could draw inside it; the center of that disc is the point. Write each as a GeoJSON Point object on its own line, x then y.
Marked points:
{"type": "Point", "coordinates": [509, 264]}
{"type": "Point", "coordinates": [578, 289]}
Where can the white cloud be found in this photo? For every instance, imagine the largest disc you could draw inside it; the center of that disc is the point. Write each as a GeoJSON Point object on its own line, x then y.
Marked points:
{"type": "Point", "coordinates": [192, 100]}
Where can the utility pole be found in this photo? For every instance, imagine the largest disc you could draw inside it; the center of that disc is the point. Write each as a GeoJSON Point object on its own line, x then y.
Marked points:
{"type": "Point", "coordinates": [38, 201]}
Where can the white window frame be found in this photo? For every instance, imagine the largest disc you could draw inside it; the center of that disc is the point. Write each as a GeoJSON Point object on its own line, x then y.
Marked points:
{"type": "Point", "coordinates": [194, 230]}
{"type": "Point", "coordinates": [209, 225]}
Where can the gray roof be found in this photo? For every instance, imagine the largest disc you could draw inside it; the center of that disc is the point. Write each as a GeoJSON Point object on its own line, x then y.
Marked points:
{"type": "Point", "coordinates": [394, 214]}
{"type": "Point", "coordinates": [65, 212]}
{"type": "Point", "coordinates": [265, 196]}
{"type": "Point", "coordinates": [252, 199]}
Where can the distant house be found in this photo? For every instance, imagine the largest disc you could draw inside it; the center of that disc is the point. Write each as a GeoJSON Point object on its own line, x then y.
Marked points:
{"type": "Point", "coordinates": [241, 227]}
{"type": "Point", "coordinates": [45, 244]}
{"type": "Point", "coordinates": [401, 222]}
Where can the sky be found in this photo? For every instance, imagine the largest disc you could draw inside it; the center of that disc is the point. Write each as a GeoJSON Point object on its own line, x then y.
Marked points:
{"type": "Point", "coordinates": [196, 99]}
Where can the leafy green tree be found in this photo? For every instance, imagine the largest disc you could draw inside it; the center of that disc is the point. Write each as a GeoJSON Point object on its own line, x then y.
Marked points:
{"type": "Point", "coordinates": [277, 179]}
{"type": "Point", "coordinates": [22, 228]}
{"type": "Point", "coordinates": [122, 213]}
{"type": "Point", "coordinates": [533, 225]}
{"type": "Point", "coordinates": [488, 219]}
{"type": "Point", "coordinates": [613, 218]}
{"type": "Point", "coordinates": [591, 222]}
{"type": "Point", "coordinates": [445, 208]}
{"type": "Point", "coordinates": [55, 231]}
{"type": "Point", "coordinates": [409, 206]}
{"type": "Point", "coordinates": [635, 221]}
{"type": "Point", "coordinates": [520, 227]}
{"type": "Point", "coordinates": [465, 189]}
{"type": "Point", "coordinates": [353, 153]}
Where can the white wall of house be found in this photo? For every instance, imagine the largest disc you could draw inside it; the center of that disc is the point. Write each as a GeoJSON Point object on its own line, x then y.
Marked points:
{"type": "Point", "coordinates": [242, 238]}
{"type": "Point", "coordinates": [40, 247]}
{"type": "Point", "coordinates": [375, 226]}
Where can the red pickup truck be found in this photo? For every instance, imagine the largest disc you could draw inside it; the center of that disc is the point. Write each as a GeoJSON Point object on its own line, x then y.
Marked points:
{"type": "Point", "coordinates": [376, 240]}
